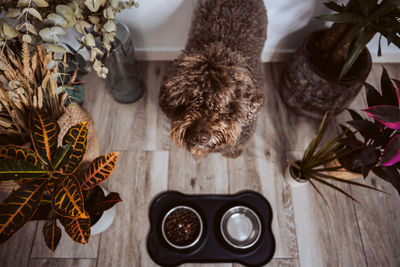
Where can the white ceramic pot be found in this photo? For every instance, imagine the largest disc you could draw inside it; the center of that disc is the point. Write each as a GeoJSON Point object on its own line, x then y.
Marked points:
{"type": "Point", "coordinates": [105, 220]}
{"type": "Point", "coordinates": [292, 181]}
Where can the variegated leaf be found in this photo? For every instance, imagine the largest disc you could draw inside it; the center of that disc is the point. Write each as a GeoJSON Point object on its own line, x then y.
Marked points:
{"type": "Point", "coordinates": [78, 229]}
{"type": "Point", "coordinates": [44, 133]}
{"type": "Point", "coordinates": [14, 169]}
{"type": "Point", "coordinates": [19, 207]}
{"type": "Point", "coordinates": [52, 234]}
{"type": "Point", "coordinates": [99, 170]}
{"type": "Point", "coordinates": [67, 198]}
{"type": "Point", "coordinates": [22, 153]}
{"type": "Point", "coordinates": [106, 203]}
{"type": "Point", "coordinates": [77, 138]}
{"type": "Point", "coordinates": [62, 156]}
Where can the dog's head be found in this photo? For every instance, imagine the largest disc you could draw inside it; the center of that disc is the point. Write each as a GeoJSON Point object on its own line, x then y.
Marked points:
{"type": "Point", "coordinates": [209, 96]}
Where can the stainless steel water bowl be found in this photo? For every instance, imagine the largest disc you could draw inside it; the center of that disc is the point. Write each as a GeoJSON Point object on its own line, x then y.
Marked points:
{"type": "Point", "coordinates": [197, 238]}
{"type": "Point", "coordinates": [240, 227]}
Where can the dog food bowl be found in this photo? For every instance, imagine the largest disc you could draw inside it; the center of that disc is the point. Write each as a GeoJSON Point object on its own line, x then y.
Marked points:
{"type": "Point", "coordinates": [210, 229]}
{"type": "Point", "coordinates": [240, 227]}
{"type": "Point", "coordinates": [182, 227]}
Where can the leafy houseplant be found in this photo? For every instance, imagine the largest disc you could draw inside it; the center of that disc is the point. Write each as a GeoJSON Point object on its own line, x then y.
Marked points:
{"type": "Point", "coordinates": [379, 145]}
{"type": "Point", "coordinates": [312, 167]}
{"type": "Point", "coordinates": [44, 21]}
{"type": "Point", "coordinates": [330, 66]}
{"type": "Point", "coordinates": [52, 186]}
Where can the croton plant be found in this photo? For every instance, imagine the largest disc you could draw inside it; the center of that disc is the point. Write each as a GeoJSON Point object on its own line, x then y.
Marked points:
{"type": "Point", "coordinates": [52, 185]}
{"type": "Point", "coordinates": [379, 149]}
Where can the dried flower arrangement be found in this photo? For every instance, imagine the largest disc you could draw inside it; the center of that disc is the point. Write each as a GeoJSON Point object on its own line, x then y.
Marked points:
{"type": "Point", "coordinates": [28, 79]}
{"type": "Point", "coordinates": [44, 21]}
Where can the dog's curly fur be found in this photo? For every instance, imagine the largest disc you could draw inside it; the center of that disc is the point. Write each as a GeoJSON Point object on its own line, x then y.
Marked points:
{"type": "Point", "coordinates": [212, 91]}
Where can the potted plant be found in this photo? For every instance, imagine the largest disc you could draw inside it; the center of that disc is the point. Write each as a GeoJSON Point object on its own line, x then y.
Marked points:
{"type": "Point", "coordinates": [52, 185]}
{"type": "Point", "coordinates": [311, 168]}
{"type": "Point", "coordinates": [330, 66]}
{"type": "Point", "coordinates": [32, 78]}
{"type": "Point", "coordinates": [44, 22]}
{"type": "Point", "coordinates": [378, 145]}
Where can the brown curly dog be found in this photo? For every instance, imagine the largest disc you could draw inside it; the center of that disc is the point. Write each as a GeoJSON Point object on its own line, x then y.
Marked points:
{"type": "Point", "coordinates": [212, 91]}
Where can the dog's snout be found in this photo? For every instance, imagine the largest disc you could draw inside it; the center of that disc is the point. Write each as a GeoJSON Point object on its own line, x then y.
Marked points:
{"type": "Point", "coordinates": [199, 137]}
{"type": "Point", "coordinates": [203, 137]}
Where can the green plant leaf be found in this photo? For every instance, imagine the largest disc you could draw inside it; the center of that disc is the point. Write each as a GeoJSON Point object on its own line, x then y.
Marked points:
{"type": "Point", "coordinates": [23, 154]}
{"type": "Point", "coordinates": [52, 234]}
{"type": "Point", "coordinates": [100, 169]}
{"type": "Point", "coordinates": [76, 136]}
{"type": "Point", "coordinates": [67, 199]}
{"type": "Point", "coordinates": [8, 31]}
{"type": "Point", "coordinates": [346, 17]}
{"type": "Point", "coordinates": [33, 12]}
{"type": "Point", "coordinates": [359, 44]}
{"type": "Point", "coordinates": [41, 3]}
{"type": "Point", "coordinates": [335, 7]}
{"type": "Point", "coordinates": [14, 169]}
{"type": "Point", "coordinates": [93, 5]}
{"type": "Point", "coordinates": [19, 207]}
{"type": "Point", "coordinates": [374, 98]}
{"type": "Point", "coordinates": [102, 203]}
{"type": "Point", "coordinates": [44, 132]}
{"type": "Point", "coordinates": [326, 176]}
{"type": "Point", "coordinates": [78, 228]}
{"type": "Point", "coordinates": [389, 92]}
{"type": "Point", "coordinates": [68, 14]}
{"type": "Point", "coordinates": [367, 6]}
{"type": "Point", "coordinates": [62, 156]}
{"type": "Point", "coordinates": [315, 141]}
{"type": "Point", "coordinates": [335, 187]}
{"type": "Point", "coordinates": [318, 191]}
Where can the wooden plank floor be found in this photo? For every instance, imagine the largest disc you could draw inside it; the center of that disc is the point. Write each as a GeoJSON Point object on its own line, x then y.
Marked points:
{"type": "Point", "coordinates": [307, 231]}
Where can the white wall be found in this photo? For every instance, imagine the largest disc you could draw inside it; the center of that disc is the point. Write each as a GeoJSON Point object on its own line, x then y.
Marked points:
{"type": "Point", "coordinates": [160, 28]}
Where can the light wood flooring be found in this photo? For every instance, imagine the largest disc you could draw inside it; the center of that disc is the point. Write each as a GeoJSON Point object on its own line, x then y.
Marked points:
{"type": "Point", "coordinates": [307, 231]}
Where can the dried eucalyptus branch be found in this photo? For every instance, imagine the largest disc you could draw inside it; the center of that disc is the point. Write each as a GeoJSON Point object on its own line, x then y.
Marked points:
{"type": "Point", "coordinates": [44, 21]}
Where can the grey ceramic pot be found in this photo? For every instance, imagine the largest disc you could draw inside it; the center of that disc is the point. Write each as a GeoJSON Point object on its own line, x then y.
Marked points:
{"type": "Point", "coordinates": [311, 93]}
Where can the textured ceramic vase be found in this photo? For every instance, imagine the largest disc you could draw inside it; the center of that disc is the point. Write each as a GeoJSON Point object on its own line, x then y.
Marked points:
{"type": "Point", "coordinates": [309, 92]}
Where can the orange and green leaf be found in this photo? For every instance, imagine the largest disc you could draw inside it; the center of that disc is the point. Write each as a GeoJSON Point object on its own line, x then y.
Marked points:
{"type": "Point", "coordinates": [67, 200]}
{"type": "Point", "coordinates": [21, 153]}
{"type": "Point", "coordinates": [44, 132]}
{"type": "Point", "coordinates": [100, 203]}
{"type": "Point", "coordinates": [51, 233]}
{"type": "Point", "coordinates": [100, 169]}
{"type": "Point", "coordinates": [14, 169]}
{"type": "Point", "coordinates": [19, 207]}
{"type": "Point", "coordinates": [76, 137]}
{"type": "Point", "coordinates": [61, 156]}
{"type": "Point", "coordinates": [78, 229]}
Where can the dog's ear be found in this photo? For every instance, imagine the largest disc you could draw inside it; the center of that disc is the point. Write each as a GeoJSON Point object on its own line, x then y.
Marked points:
{"type": "Point", "coordinates": [172, 98]}
{"type": "Point", "coordinates": [181, 86]}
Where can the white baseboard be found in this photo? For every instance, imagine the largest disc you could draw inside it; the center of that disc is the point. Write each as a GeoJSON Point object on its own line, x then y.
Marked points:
{"type": "Point", "coordinates": [167, 54]}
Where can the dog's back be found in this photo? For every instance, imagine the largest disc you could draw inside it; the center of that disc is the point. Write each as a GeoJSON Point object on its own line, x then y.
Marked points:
{"type": "Point", "coordinates": [240, 24]}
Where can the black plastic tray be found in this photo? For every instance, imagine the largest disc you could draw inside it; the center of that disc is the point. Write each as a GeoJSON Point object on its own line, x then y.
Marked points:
{"type": "Point", "coordinates": [211, 247]}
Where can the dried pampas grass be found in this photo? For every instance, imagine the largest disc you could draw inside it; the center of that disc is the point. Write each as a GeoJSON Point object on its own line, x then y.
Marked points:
{"type": "Point", "coordinates": [27, 80]}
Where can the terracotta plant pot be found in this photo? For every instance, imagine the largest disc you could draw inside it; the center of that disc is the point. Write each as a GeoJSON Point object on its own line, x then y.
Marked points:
{"type": "Point", "coordinates": [310, 92]}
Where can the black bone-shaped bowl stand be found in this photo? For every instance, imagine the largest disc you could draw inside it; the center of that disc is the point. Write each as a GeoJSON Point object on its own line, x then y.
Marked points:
{"type": "Point", "coordinates": [211, 247]}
